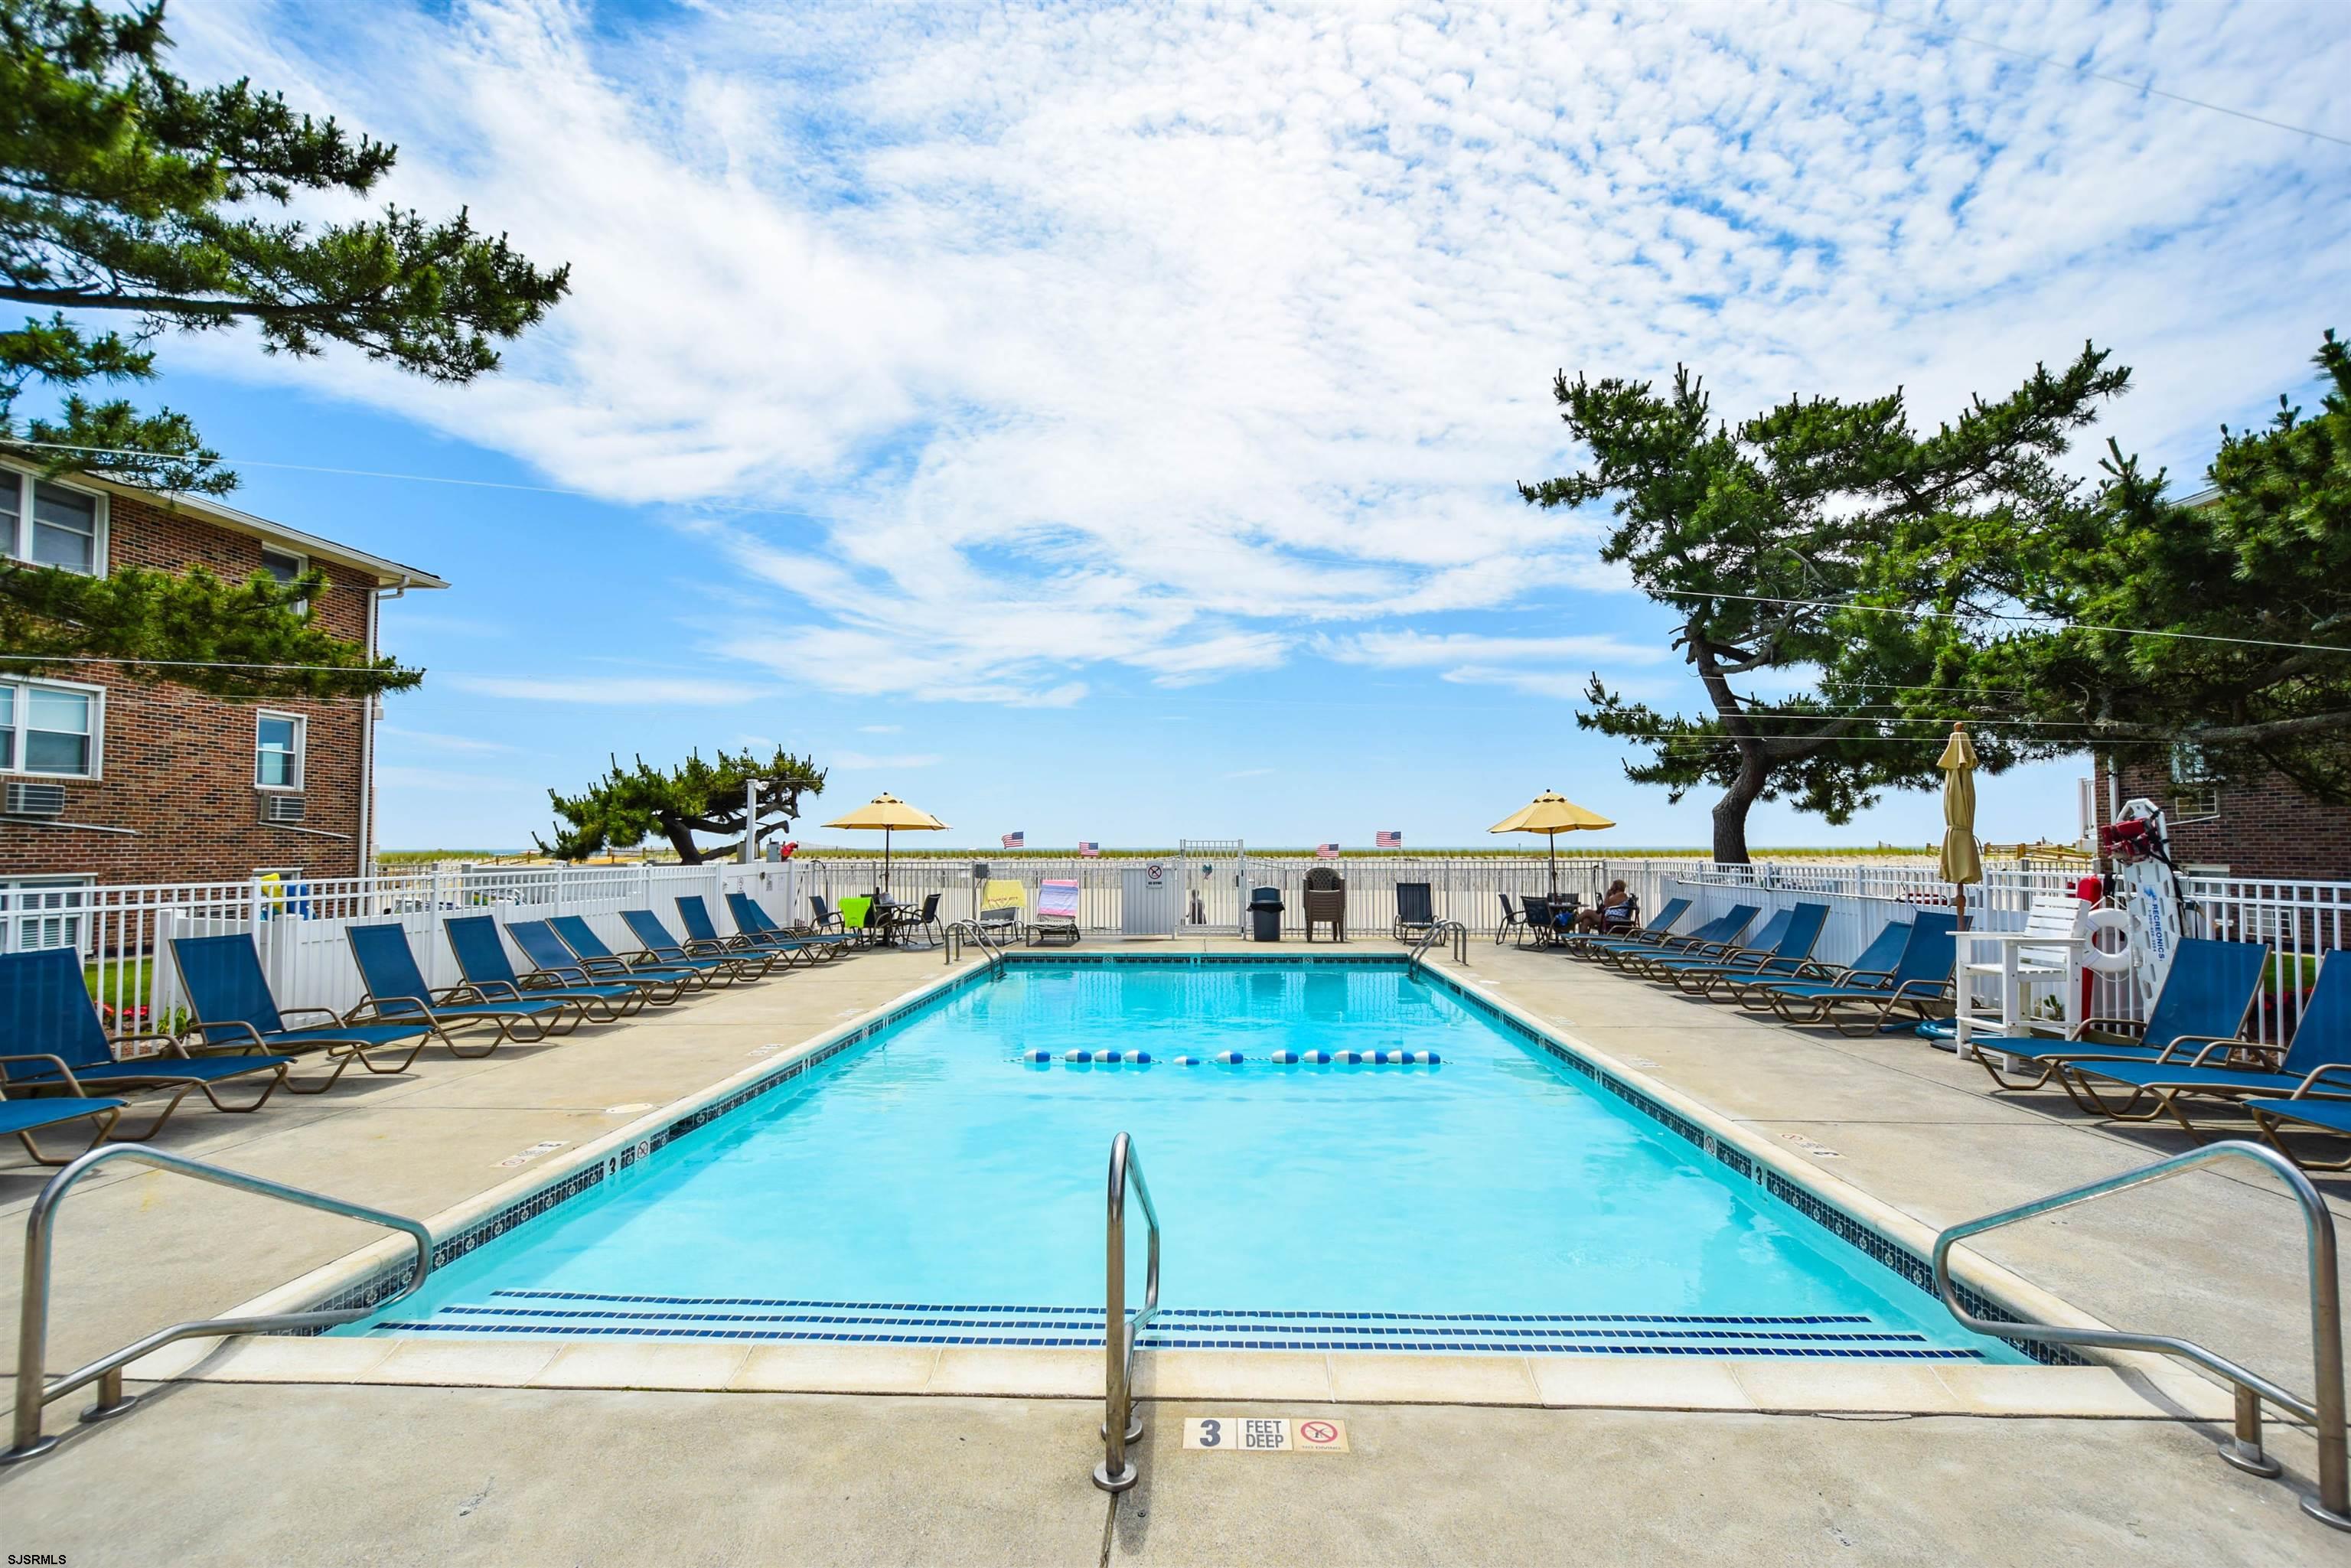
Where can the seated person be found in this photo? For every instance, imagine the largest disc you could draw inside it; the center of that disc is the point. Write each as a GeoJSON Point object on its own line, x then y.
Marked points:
{"type": "Point", "coordinates": [1615, 912]}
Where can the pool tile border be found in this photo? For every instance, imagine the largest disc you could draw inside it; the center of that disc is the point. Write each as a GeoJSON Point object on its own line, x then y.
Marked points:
{"type": "Point", "coordinates": [369, 1278]}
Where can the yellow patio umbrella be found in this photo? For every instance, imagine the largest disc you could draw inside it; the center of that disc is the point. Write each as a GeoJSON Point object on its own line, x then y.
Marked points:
{"type": "Point", "coordinates": [1962, 862]}
{"type": "Point", "coordinates": [1550, 814]}
{"type": "Point", "coordinates": [888, 813]}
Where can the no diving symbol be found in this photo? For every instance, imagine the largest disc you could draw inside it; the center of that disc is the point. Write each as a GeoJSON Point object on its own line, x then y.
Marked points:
{"type": "Point", "coordinates": [1317, 1432]}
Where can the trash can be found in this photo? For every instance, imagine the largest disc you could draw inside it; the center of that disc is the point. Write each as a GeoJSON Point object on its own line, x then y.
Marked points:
{"type": "Point", "coordinates": [1265, 909]}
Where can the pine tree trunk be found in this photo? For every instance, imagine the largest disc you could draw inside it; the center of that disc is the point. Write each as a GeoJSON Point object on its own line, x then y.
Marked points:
{"type": "Point", "coordinates": [1730, 811]}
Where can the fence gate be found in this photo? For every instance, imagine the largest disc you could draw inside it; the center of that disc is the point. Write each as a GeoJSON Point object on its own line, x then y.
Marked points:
{"type": "Point", "coordinates": [1216, 895]}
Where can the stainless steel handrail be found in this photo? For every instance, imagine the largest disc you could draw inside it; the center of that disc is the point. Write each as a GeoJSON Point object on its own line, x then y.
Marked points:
{"type": "Point", "coordinates": [2324, 1411]}
{"type": "Point", "coordinates": [961, 931]}
{"type": "Point", "coordinates": [1120, 1424]}
{"type": "Point", "coordinates": [33, 1324]}
{"type": "Point", "coordinates": [1436, 934]}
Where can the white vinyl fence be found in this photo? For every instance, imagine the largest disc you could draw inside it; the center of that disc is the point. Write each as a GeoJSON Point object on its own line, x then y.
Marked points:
{"type": "Point", "coordinates": [124, 931]}
{"type": "Point", "coordinates": [299, 926]}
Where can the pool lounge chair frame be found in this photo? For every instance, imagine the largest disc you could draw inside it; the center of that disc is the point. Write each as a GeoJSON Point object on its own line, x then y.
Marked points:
{"type": "Point", "coordinates": [1664, 968]}
{"type": "Point", "coordinates": [589, 949]}
{"type": "Point", "coordinates": [2208, 974]}
{"type": "Point", "coordinates": [51, 1012]}
{"type": "Point", "coordinates": [1921, 978]}
{"type": "Point", "coordinates": [229, 993]}
{"type": "Point", "coordinates": [2316, 1065]}
{"type": "Point", "coordinates": [655, 941]}
{"type": "Point", "coordinates": [755, 928]}
{"type": "Point", "coordinates": [554, 961]}
{"type": "Point", "coordinates": [481, 955]}
{"type": "Point", "coordinates": [1660, 926]}
{"type": "Point", "coordinates": [1782, 956]}
{"type": "Point", "coordinates": [1877, 959]}
{"type": "Point", "coordinates": [1717, 936]}
{"type": "Point", "coordinates": [26, 1117]}
{"type": "Point", "coordinates": [1063, 930]}
{"type": "Point", "coordinates": [397, 992]}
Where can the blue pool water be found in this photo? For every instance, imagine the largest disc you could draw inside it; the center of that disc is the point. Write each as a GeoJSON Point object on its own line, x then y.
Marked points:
{"type": "Point", "coordinates": [935, 1184]}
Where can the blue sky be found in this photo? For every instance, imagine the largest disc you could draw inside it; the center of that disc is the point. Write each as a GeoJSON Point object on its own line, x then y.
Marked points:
{"type": "Point", "coordinates": [1102, 421]}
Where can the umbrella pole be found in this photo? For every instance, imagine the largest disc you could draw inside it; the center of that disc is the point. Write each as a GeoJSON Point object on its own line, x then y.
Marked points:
{"type": "Point", "coordinates": [885, 861]}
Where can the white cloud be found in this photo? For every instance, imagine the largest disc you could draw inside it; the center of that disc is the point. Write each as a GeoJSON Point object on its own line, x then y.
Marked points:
{"type": "Point", "coordinates": [1418, 649]}
{"type": "Point", "coordinates": [879, 729]}
{"type": "Point", "coordinates": [611, 690]}
{"type": "Point", "coordinates": [432, 741]}
{"type": "Point", "coordinates": [1138, 338]}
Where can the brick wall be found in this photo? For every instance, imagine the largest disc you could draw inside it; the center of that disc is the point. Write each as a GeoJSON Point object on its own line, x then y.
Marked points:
{"type": "Point", "coordinates": [2265, 826]}
{"type": "Point", "coordinates": [178, 765]}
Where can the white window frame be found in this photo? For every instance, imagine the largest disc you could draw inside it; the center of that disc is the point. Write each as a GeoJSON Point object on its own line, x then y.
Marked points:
{"type": "Point", "coordinates": [22, 685]}
{"type": "Point", "coordinates": [17, 915]}
{"type": "Point", "coordinates": [19, 547]}
{"type": "Point", "coordinates": [301, 751]}
{"type": "Point", "coordinates": [301, 564]}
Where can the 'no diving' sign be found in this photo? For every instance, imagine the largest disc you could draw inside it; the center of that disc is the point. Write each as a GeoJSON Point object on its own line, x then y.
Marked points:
{"type": "Point", "coordinates": [1264, 1435]}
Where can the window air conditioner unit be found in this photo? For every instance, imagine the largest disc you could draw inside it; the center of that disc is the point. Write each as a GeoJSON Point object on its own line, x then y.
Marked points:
{"type": "Point", "coordinates": [36, 800]}
{"type": "Point", "coordinates": [282, 808]}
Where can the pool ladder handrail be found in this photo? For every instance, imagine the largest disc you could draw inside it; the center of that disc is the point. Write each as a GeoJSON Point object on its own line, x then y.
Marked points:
{"type": "Point", "coordinates": [961, 931]}
{"type": "Point", "coordinates": [1436, 933]}
{"type": "Point", "coordinates": [2324, 1411]}
{"type": "Point", "coordinates": [1121, 1424]}
{"type": "Point", "coordinates": [33, 1393]}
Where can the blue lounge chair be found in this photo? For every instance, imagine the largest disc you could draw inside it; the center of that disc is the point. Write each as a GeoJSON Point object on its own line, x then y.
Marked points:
{"type": "Point", "coordinates": [26, 1117]}
{"type": "Point", "coordinates": [555, 963]}
{"type": "Point", "coordinates": [654, 939]}
{"type": "Point", "coordinates": [482, 959]}
{"type": "Point", "coordinates": [397, 992]}
{"type": "Point", "coordinates": [230, 997]}
{"type": "Point", "coordinates": [2205, 995]}
{"type": "Point", "coordinates": [702, 937]}
{"type": "Point", "coordinates": [2328, 1115]}
{"type": "Point", "coordinates": [589, 950]}
{"type": "Point", "coordinates": [1658, 929]}
{"type": "Point", "coordinates": [56, 1044]}
{"type": "Point", "coordinates": [752, 921]}
{"type": "Point", "coordinates": [1873, 964]}
{"type": "Point", "coordinates": [1920, 976]}
{"type": "Point", "coordinates": [1662, 965]}
{"type": "Point", "coordinates": [1717, 936]}
{"type": "Point", "coordinates": [2318, 1065]}
{"type": "Point", "coordinates": [1781, 951]}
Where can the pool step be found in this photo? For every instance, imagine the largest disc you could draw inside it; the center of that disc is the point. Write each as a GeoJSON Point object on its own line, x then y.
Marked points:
{"type": "Point", "coordinates": [1843, 1336]}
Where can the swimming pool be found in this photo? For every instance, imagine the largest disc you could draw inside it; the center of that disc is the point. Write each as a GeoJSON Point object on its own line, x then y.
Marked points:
{"type": "Point", "coordinates": [940, 1181]}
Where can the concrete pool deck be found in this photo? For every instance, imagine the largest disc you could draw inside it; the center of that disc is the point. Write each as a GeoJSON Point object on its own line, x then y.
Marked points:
{"type": "Point", "coordinates": [2210, 1256]}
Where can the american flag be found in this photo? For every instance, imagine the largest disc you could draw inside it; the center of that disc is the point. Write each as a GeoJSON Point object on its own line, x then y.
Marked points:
{"type": "Point", "coordinates": [1015, 841]}
{"type": "Point", "coordinates": [1089, 849]}
{"type": "Point", "coordinates": [1326, 852]}
{"type": "Point", "coordinates": [1385, 840]}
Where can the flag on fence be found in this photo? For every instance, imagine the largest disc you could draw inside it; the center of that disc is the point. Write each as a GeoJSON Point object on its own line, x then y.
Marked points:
{"type": "Point", "coordinates": [1015, 841]}
{"type": "Point", "coordinates": [1326, 852]}
{"type": "Point", "coordinates": [1387, 840]}
{"type": "Point", "coordinates": [1089, 849]}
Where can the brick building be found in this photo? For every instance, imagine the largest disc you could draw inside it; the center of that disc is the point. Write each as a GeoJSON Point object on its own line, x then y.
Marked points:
{"type": "Point", "coordinates": [2258, 825]}
{"type": "Point", "coordinates": [110, 777]}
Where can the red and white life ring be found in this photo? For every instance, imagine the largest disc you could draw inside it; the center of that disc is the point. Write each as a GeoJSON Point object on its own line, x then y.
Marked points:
{"type": "Point", "coordinates": [2107, 961]}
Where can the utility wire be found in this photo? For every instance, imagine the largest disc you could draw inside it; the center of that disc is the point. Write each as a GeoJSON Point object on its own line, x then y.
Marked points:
{"type": "Point", "coordinates": [2012, 619]}
{"type": "Point", "coordinates": [1935, 30]}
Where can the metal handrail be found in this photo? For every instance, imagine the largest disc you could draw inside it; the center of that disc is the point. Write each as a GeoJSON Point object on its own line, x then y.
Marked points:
{"type": "Point", "coordinates": [33, 1325]}
{"type": "Point", "coordinates": [961, 931]}
{"type": "Point", "coordinates": [1120, 1424]}
{"type": "Point", "coordinates": [1436, 934]}
{"type": "Point", "coordinates": [2324, 1411]}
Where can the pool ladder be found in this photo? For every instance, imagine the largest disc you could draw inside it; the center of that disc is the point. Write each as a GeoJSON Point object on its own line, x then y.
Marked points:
{"type": "Point", "coordinates": [1436, 935]}
{"type": "Point", "coordinates": [972, 931]}
{"type": "Point", "coordinates": [34, 1394]}
{"type": "Point", "coordinates": [2324, 1410]}
{"type": "Point", "coordinates": [1122, 1423]}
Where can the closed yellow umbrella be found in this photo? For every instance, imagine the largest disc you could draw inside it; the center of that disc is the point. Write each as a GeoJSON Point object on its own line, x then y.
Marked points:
{"type": "Point", "coordinates": [1962, 862]}
{"type": "Point", "coordinates": [889, 814]}
{"type": "Point", "coordinates": [1550, 814]}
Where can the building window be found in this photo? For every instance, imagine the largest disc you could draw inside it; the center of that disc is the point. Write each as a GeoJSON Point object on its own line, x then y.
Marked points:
{"type": "Point", "coordinates": [2195, 784]}
{"type": "Point", "coordinates": [42, 912]}
{"type": "Point", "coordinates": [49, 729]}
{"type": "Point", "coordinates": [285, 565]}
{"type": "Point", "coordinates": [277, 746]}
{"type": "Point", "coordinates": [49, 524]}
